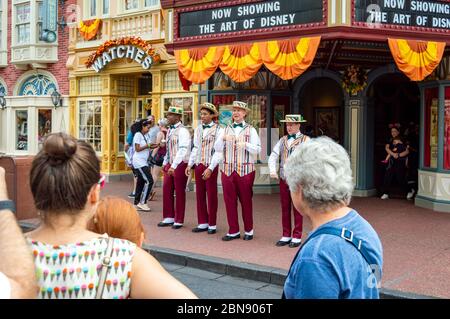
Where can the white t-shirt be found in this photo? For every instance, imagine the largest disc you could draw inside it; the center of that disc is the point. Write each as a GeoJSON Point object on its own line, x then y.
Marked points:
{"type": "Point", "coordinates": [5, 287]}
{"type": "Point", "coordinates": [140, 158]}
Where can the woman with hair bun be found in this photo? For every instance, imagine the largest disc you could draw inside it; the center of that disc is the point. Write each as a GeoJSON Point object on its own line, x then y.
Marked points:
{"type": "Point", "coordinates": [71, 261]}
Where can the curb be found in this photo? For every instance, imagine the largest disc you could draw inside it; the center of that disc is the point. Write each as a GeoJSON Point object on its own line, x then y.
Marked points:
{"type": "Point", "coordinates": [269, 275]}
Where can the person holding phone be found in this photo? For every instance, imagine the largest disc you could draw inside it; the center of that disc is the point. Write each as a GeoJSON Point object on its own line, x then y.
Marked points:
{"type": "Point", "coordinates": [140, 163]}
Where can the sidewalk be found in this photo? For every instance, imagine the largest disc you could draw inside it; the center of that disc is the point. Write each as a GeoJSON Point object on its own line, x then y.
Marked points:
{"type": "Point", "coordinates": [416, 241]}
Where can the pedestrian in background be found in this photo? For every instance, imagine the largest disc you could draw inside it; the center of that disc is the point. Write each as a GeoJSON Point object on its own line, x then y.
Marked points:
{"type": "Point", "coordinates": [141, 157]}
{"type": "Point", "coordinates": [129, 152]}
{"type": "Point", "coordinates": [71, 261]}
{"type": "Point", "coordinates": [17, 274]}
{"type": "Point", "coordinates": [157, 155]}
{"type": "Point", "coordinates": [342, 257]}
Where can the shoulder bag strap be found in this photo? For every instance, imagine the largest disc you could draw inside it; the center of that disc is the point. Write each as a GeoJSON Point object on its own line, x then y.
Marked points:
{"type": "Point", "coordinates": [344, 233]}
{"type": "Point", "coordinates": [105, 267]}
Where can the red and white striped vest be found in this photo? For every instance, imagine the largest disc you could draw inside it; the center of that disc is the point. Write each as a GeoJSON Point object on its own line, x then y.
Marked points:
{"type": "Point", "coordinates": [235, 159]}
{"type": "Point", "coordinates": [172, 144]}
{"type": "Point", "coordinates": [206, 150]}
{"type": "Point", "coordinates": [286, 150]}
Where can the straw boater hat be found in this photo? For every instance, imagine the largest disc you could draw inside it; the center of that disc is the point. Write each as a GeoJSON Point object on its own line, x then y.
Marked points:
{"type": "Point", "coordinates": [176, 109]}
{"type": "Point", "coordinates": [293, 118]}
{"type": "Point", "coordinates": [209, 106]}
{"type": "Point", "coordinates": [241, 105]}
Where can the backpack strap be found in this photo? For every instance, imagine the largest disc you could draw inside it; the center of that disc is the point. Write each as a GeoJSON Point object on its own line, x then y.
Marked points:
{"type": "Point", "coordinates": [105, 267]}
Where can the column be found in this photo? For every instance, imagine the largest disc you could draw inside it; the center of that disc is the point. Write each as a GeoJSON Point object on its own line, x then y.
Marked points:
{"type": "Point", "coordinates": [358, 140]}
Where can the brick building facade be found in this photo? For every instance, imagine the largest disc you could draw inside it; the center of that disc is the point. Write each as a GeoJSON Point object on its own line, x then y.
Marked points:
{"type": "Point", "coordinates": [30, 71]}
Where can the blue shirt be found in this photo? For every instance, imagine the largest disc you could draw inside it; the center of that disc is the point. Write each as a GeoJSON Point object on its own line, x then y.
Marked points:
{"type": "Point", "coordinates": [329, 267]}
{"type": "Point", "coordinates": [130, 138]}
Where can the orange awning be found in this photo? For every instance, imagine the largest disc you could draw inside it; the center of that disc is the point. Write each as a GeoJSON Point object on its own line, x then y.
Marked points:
{"type": "Point", "coordinates": [289, 58]}
{"type": "Point", "coordinates": [198, 64]}
{"type": "Point", "coordinates": [417, 59]}
{"type": "Point", "coordinates": [241, 62]}
{"type": "Point", "coordinates": [89, 29]}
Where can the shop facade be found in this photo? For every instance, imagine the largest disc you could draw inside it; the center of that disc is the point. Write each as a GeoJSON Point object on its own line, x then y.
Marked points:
{"type": "Point", "coordinates": [378, 63]}
{"type": "Point", "coordinates": [110, 93]}
{"type": "Point", "coordinates": [34, 83]}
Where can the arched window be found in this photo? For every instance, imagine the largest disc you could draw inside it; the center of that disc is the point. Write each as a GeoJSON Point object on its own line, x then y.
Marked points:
{"type": "Point", "coordinates": [39, 84]}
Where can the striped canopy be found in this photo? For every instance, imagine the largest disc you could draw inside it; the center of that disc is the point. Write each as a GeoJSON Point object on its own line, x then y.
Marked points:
{"type": "Point", "coordinates": [417, 59]}
{"type": "Point", "coordinates": [286, 58]}
{"type": "Point", "coordinates": [241, 62]}
{"type": "Point", "coordinates": [198, 64]}
{"type": "Point", "coordinates": [289, 58]}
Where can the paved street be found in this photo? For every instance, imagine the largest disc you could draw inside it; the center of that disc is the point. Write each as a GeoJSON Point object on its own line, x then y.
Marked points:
{"type": "Point", "coordinates": [209, 285]}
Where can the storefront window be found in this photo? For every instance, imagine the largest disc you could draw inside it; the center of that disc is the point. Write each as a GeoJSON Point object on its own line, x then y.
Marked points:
{"type": "Point", "coordinates": [22, 130]}
{"type": "Point", "coordinates": [44, 125]}
{"type": "Point", "coordinates": [171, 81]}
{"type": "Point", "coordinates": [447, 129]}
{"type": "Point", "coordinates": [280, 106]}
{"type": "Point", "coordinates": [126, 85]}
{"type": "Point", "coordinates": [90, 85]}
{"type": "Point", "coordinates": [187, 103]}
{"type": "Point", "coordinates": [257, 118]}
{"type": "Point", "coordinates": [257, 104]}
{"type": "Point", "coordinates": [90, 129]}
{"type": "Point", "coordinates": [223, 104]}
{"type": "Point", "coordinates": [431, 127]}
{"type": "Point", "coordinates": [125, 121]}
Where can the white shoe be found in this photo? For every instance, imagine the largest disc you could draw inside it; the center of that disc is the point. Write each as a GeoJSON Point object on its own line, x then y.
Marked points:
{"type": "Point", "coordinates": [143, 207]}
{"type": "Point", "coordinates": [410, 195]}
{"type": "Point", "coordinates": [385, 196]}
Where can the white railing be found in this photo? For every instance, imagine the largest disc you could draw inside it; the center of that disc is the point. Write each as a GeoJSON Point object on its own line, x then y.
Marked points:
{"type": "Point", "coordinates": [146, 25]}
{"type": "Point", "coordinates": [139, 25]}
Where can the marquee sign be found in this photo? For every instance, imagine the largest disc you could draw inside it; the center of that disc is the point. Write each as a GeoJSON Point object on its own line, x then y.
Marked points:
{"type": "Point", "coordinates": [411, 13]}
{"type": "Point", "coordinates": [126, 48]}
{"type": "Point", "coordinates": [250, 16]}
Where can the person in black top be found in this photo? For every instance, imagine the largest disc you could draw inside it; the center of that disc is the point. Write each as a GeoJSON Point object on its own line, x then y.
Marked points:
{"type": "Point", "coordinates": [397, 164]}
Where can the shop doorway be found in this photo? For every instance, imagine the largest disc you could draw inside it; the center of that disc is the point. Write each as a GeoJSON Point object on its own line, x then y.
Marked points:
{"type": "Point", "coordinates": [321, 103]}
{"type": "Point", "coordinates": [396, 102]}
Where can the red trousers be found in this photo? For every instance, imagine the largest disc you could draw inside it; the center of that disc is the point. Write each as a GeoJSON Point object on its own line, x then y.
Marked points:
{"type": "Point", "coordinates": [234, 187]}
{"type": "Point", "coordinates": [286, 204]}
{"type": "Point", "coordinates": [203, 190]}
{"type": "Point", "coordinates": [175, 184]}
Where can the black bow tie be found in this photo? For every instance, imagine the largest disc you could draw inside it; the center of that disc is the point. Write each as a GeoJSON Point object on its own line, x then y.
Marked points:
{"type": "Point", "coordinates": [205, 126]}
{"type": "Point", "coordinates": [292, 136]}
{"type": "Point", "coordinates": [237, 125]}
{"type": "Point", "coordinates": [172, 126]}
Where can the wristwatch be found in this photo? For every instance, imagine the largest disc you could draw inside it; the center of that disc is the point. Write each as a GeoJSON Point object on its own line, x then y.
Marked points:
{"type": "Point", "coordinates": [7, 204]}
